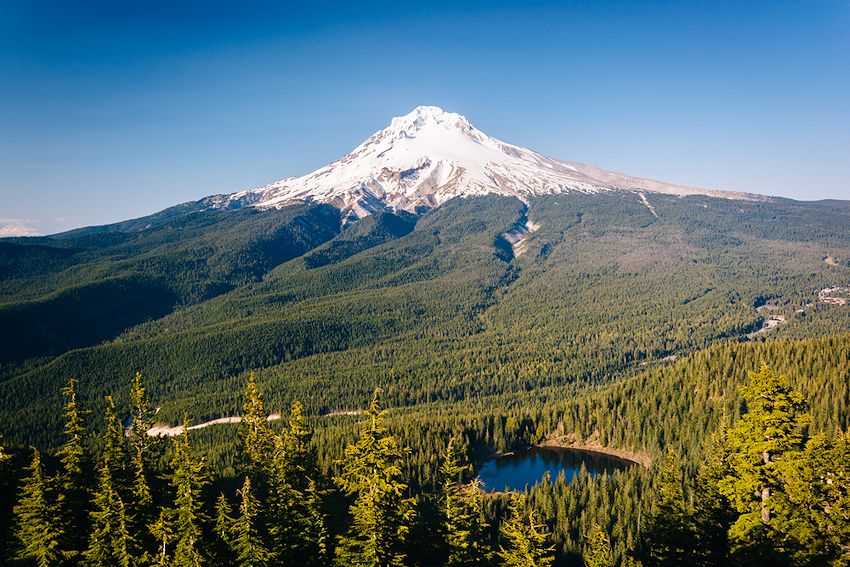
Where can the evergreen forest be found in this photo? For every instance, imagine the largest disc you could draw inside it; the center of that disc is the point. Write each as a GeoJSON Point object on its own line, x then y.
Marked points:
{"type": "Point", "coordinates": [362, 373]}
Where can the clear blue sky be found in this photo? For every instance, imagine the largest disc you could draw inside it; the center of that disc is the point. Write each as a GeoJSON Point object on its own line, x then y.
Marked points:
{"type": "Point", "coordinates": [111, 110]}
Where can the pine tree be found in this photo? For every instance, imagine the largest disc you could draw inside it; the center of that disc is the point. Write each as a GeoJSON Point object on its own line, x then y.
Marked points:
{"type": "Point", "coordinates": [223, 520]}
{"type": "Point", "coordinates": [316, 533]}
{"type": "Point", "coordinates": [813, 515]}
{"type": "Point", "coordinates": [144, 448]}
{"type": "Point", "coordinates": [381, 514]}
{"type": "Point", "coordinates": [72, 453]}
{"type": "Point", "coordinates": [713, 515]}
{"type": "Point", "coordinates": [298, 525]}
{"type": "Point", "coordinates": [115, 451]}
{"type": "Point", "coordinates": [669, 538]}
{"type": "Point", "coordinates": [771, 431]}
{"type": "Point", "coordinates": [36, 527]}
{"type": "Point", "coordinates": [73, 496]}
{"type": "Point", "coordinates": [598, 551]}
{"type": "Point", "coordinates": [258, 439]}
{"type": "Point", "coordinates": [110, 543]}
{"type": "Point", "coordinates": [526, 539]}
{"type": "Point", "coordinates": [188, 481]}
{"type": "Point", "coordinates": [163, 532]}
{"type": "Point", "coordinates": [460, 508]}
{"type": "Point", "coordinates": [246, 542]}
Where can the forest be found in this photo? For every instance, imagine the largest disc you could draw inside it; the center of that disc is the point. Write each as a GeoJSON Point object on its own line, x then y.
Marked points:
{"type": "Point", "coordinates": [771, 486]}
{"type": "Point", "coordinates": [604, 291]}
{"type": "Point", "coordinates": [405, 350]}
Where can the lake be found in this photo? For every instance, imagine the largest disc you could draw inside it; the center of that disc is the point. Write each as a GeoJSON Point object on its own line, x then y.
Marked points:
{"type": "Point", "coordinates": [516, 470]}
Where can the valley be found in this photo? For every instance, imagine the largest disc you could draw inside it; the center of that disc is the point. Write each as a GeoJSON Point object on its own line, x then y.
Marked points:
{"type": "Point", "coordinates": [600, 313]}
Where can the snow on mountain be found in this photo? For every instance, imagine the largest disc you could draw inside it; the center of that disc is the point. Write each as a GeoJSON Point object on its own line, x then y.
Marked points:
{"type": "Point", "coordinates": [430, 156]}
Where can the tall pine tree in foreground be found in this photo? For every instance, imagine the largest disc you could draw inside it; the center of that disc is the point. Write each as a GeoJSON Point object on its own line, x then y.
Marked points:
{"type": "Point", "coordinates": [283, 470]}
{"type": "Point", "coordinates": [73, 479]}
{"type": "Point", "coordinates": [669, 538]}
{"type": "Point", "coordinates": [460, 507]}
{"type": "Point", "coordinates": [37, 528]}
{"type": "Point", "coordinates": [163, 532]}
{"type": "Point", "coordinates": [258, 439]}
{"type": "Point", "coordinates": [115, 454]}
{"type": "Point", "coordinates": [245, 540]}
{"type": "Point", "coordinates": [224, 529]}
{"type": "Point", "coordinates": [712, 513]}
{"type": "Point", "coordinates": [381, 514]}
{"type": "Point", "coordinates": [525, 539]}
{"type": "Point", "coordinates": [298, 492]}
{"type": "Point", "coordinates": [143, 448]}
{"type": "Point", "coordinates": [772, 431]}
{"type": "Point", "coordinates": [598, 550]}
{"type": "Point", "coordinates": [144, 452]}
{"type": "Point", "coordinates": [110, 542]}
{"type": "Point", "coordinates": [815, 502]}
{"type": "Point", "coordinates": [188, 481]}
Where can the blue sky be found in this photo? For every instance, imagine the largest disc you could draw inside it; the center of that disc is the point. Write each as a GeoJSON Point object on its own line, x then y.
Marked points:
{"type": "Point", "coordinates": [112, 110]}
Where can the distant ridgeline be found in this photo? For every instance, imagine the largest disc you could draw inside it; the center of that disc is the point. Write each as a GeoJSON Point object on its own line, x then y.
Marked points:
{"type": "Point", "coordinates": [620, 325]}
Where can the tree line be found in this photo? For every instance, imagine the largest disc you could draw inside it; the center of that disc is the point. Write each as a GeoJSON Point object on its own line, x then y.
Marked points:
{"type": "Point", "coordinates": [767, 492]}
{"type": "Point", "coordinates": [279, 516]}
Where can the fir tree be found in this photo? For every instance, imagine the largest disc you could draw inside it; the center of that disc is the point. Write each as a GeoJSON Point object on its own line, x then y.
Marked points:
{"type": "Point", "coordinates": [669, 538]}
{"type": "Point", "coordinates": [298, 520]}
{"type": "Point", "coordinates": [188, 481]}
{"type": "Point", "coordinates": [713, 515]}
{"type": "Point", "coordinates": [110, 543]}
{"type": "Point", "coordinates": [115, 451]}
{"type": "Point", "coordinates": [813, 515]}
{"type": "Point", "coordinates": [73, 497]}
{"type": "Point", "coordinates": [144, 451]}
{"type": "Point", "coordinates": [298, 449]}
{"type": "Point", "coordinates": [223, 520]}
{"type": "Point", "coordinates": [525, 539]}
{"type": "Point", "coordinates": [316, 533]}
{"type": "Point", "coordinates": [258, 439]}
{"type": "Point", "coordinates": [460, 508]}
{"type": "Point", "coordinates": [598, 550]}
{"type": "Point", "coordinates": [143, 448]}
{"type": "Point", "coordinates": [72, 453]}
{"type": "Point", "coordinates": [163, 533]}
{"type": "Point", "coordinates": [246, 542]}
{"type": "Point", "coordinates": [36, 527]}
{"type": "Point", "coordinates": [381, 513]}
{"type": "Point", "coordinates": [772, 429]}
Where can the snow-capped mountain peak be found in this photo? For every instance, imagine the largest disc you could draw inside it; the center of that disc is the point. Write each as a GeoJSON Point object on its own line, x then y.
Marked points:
{"type": "Point", "coordinates": [429, 156]}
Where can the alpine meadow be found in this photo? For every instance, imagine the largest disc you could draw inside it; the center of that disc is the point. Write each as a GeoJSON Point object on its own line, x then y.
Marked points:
{"type": "Point", "coordinates": [442, 349]}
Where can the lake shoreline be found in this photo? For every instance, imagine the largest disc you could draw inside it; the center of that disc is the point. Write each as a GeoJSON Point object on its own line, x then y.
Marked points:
{"type": "Point", "coordinates": [595, 447]}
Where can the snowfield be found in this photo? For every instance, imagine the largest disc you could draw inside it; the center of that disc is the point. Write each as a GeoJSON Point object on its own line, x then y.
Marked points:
{"type": "Point", "coordinates": [430, 156]}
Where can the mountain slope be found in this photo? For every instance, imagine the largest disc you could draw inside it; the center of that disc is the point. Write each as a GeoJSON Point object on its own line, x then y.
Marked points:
{"type": "Point", "coordinates": [79, 288]}
{"type": "Point", "coordinates": [439, 312]}
{"type": "Point", "coordinates": [430, 156]}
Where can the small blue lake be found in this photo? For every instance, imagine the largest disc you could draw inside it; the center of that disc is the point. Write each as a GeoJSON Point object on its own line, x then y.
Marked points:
{"type": "Point", "coordinates": [516, 470]}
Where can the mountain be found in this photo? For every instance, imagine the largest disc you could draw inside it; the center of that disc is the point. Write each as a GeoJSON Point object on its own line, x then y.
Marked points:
{"type": "Point", "coordinates": [429, 156]}
{"type": "Point", "coordinates": [569, 280]}
{"type": "Point", "coordinates": [494, 295]}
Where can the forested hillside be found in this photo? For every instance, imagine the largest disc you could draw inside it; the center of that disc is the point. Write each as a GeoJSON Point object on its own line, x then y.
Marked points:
{"type": "Point", "coordinates": [693, 498]}
{"type": "Point", "coordinates": [618, 326]}
{"type": "Point", "coordinates": [80, 288]}
{"type": "Point", "coordinates": [606, 285]}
